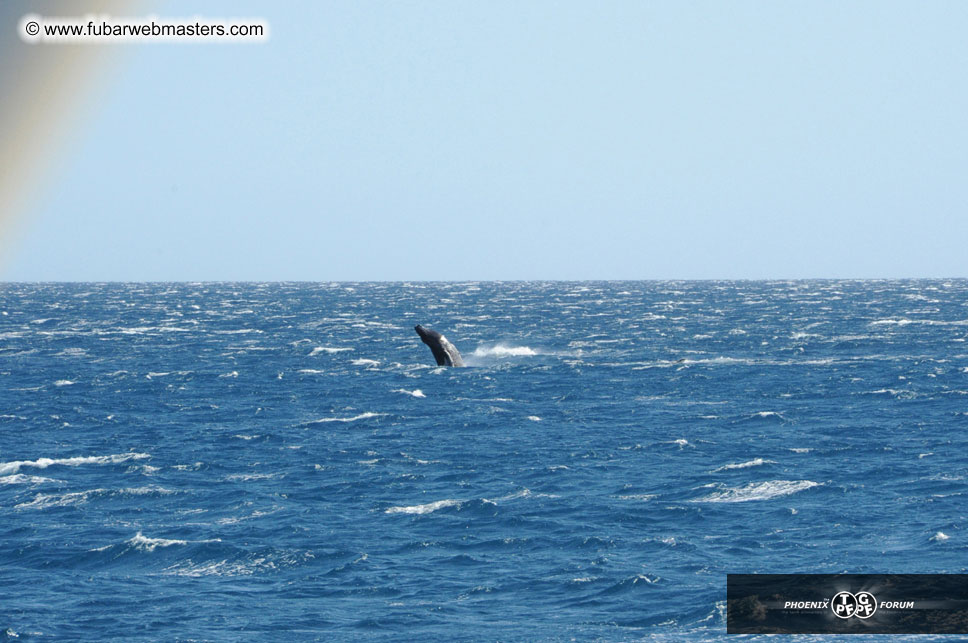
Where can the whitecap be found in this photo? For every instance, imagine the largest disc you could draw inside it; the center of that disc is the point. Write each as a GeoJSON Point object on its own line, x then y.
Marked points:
{"type": "Point", "coordinates": [424, 509]}
{"type": "Point", "coordinates": [744, 465]}
{"type": "Point", "coordinates": [246, 477]}
{"type": "Point", "coordinates": [329, 350]}
{"type": "Point", "coordinates": [63, 383]}
{"type": "Point", "coordinates": [19, 478]}
{"type": "Point", "coordinates": [758, 491]}
{"type": "Point", "coordinates": [365, 362]}
{"type": "Point", "coordinates": [43, 501]}
{"type": "Point", "coordinates": [413, 393]}
{"type": "Point", "coordinates": [500, 350]}
{"type": "Point", "coordinates": [940, 537]}
{"type": "Point", "coordinates": [43, 463]}
{"type": "Point", "coordinates": [150, 544]}
{"type": "Point", "coordinates": [768, 414]}
{"type": "Point", "coordinates": [361, 416]}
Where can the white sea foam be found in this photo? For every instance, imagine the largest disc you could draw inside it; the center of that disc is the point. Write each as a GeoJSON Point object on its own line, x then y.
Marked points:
{"type": "Point", "coordinates": [425, 509]}
{"type": "Point", "coordinates": [43, 501]}
{"type": "Point", "coordinates": [365, 362]}
{"type": "Point", "coordinates": [500, 350]}
{"type": "Point", "coordinates": [43, 463]}
{"type": "Point", "coordinates": [414, 393]}
{"type": "Point", "coordinates": [758, 491]}
{"type": "Point", "coordinates": [643, 497]}
{"type": "Point", "coordinates": [219, 568]}
{"type": "Point", "coordinates": [940, 537]}
{"type": "Point", "coordinates": [801, 449]}
{"type": "Point", "coordinates": [63, 383]}
{"type": "Point", "coordinates": [925, 322]}
{"type": "Point", "coordinates": [768, 414]}
{"type": "Point", "coordinates": [521, 493]}
{"type": "Point", "coordinates": [233, 374]}
{"type": "Point", "coordinates": [19, 478]}
{"type": "Point", "coordinates": [744, 465]}
{"type": "Point", "coordinates": [253, 565]}
{"type": "Point", "coordinates": [310, 371]}
{"type": "Point", "coordinates": [246, 477]}
{"type": "Point", "coordinates": [898, 393]}
{"type": "Point", "coordinates": [361, 416]}
{"type": "Point", "coordinates": [534, 418]}
{"type": "Point", "coordinates": [150, 544]}
{"type": "Point", "coordinates": [145, 491]}
{"type": "Point", "coordinates": [329, 350]}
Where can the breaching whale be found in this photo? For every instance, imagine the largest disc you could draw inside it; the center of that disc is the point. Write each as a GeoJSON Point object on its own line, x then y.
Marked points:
{"type": "Point", "coordinates": [444, 352]}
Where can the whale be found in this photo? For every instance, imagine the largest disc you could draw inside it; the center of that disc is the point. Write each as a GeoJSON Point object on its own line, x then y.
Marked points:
{"type": "Point", "coordinates": [444, 352]}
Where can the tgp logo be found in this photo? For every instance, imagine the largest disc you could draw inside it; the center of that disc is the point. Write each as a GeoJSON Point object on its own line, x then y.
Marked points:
{"type": "Point", "coordinates": [847, 605]}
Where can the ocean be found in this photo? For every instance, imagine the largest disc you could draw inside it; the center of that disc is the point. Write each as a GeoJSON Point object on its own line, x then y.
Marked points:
{"type": "Point", "coordinates": [285, 461]}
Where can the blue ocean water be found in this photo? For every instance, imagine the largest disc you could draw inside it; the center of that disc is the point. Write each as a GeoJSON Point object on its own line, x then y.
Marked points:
{"type": "Point", "coordinates": [285, 461]}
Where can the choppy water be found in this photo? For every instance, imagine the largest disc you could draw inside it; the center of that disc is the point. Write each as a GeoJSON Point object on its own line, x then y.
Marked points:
{"type": "Point", "coordinates": [246, 461]}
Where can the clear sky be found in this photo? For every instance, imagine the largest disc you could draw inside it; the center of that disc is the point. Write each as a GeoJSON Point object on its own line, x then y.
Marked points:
{"type": "Point", "coordinates": [517, 140]}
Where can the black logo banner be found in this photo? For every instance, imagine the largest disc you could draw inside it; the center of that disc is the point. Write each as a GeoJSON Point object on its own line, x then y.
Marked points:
{"type": "Point", "coordinates": [847, 604]}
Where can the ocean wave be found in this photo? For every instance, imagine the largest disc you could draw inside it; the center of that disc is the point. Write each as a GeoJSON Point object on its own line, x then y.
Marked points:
{"type": "Point", "coordinates": [642, 497]}
{"type": "Point", "coordinates": [903, 321]}
{"type": "Point", "coordinates": [328, 350]}
{"type": "Point", "coordinates": [20, 478]}
{"type": "Point", "coordinates": [430, 507]}
{"type": "Point", "coordinates": [361, 416]}
{"type": "Point", "coordinates": [767, 415]}
{"type": "Point", "coordinates": [43, 463]}
{"type": "Point", "coordinates": [247, 566]}
{"type": "Point", "coordinates": [366, 362]}
{"type": "Point", "coordinates": [758, 491]}
{"type": "Point", "coordinates": [521, 493]}
{"type": "Point", "coordinates": [74, 498]}
{"type": "Point", "coordinates": [143, 543]}
{"type": "Point", "coordinates": [500, 350]}
{"type": "Point", "coordinates": [248, 477]}
{"type": "Point", "coordinates": [413, 393]}
{"type": "Point", "coordinates": [744, 465]}
{"type": "Point", "coordinates": [901, 394]}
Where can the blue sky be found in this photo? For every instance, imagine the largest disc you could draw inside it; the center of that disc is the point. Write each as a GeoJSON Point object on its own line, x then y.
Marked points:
{"type": "Point", "coordinates": [518, 140]}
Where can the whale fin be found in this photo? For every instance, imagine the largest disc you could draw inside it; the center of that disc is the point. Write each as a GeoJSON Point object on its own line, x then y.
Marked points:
{"type": "Point", "coordinates": [444, 352]}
